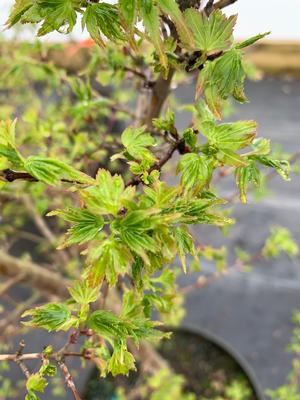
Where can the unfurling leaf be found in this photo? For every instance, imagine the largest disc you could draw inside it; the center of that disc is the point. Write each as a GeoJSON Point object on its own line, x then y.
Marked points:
{"type": "Point", "coordinates": [108, 195]}
{"type": "Point", "coordinates": [52, 171]}
{"type": "Point", "coordinates": [107, 261]}
{"type": "Point", "coordinates": [251, 40]}
{"type": "Point", "coordinates": [52, 316]}
{"type": "Point", "coordinates": [36, 382]}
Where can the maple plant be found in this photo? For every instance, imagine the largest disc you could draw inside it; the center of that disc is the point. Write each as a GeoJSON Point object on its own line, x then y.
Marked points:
{"type": "Point", "coordinates": [90, 150]}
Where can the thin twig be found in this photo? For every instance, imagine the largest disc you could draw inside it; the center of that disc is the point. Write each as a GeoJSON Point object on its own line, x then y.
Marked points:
{"type": "Point", "coordinates": [68, 379]}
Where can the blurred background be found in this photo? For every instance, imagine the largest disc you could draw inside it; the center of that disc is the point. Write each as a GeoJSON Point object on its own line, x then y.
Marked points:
{"type": "Point", "coordinates": [252, 312]}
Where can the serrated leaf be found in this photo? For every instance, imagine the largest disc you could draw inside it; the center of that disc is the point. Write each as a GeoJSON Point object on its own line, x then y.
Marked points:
{"type": "Point", "coordinates": [211, 34]}
{"type": "Point", "coordinates": [151, 20]}
{"type": "Point", "coordinates": [85, 225]}
{"type": "Point", "coordinates": [19, 8]}
{"type": "Point", "coordinates": [57, 15]}
{"type": "Point", "coordinates": [194, 170]}
{"type": "Point", "coordinates": [107, 261]}
{"type": "Point", "coordinates": [136, 141]}
{"type": "Point", "coordinates": [244, 176]}
{"type": "Point", "coordinates": [184, 244]}
{"type": "Point", "coordinates": [109, 194]}
{"type": "Point", "coordinates": [84, 294]}
{"type": "Point", "coordinates": [52, 171]}
{"type": "Point", "coordinates": [221, 78]}
{"type": "Point", "coordinates": [281, 166]}
{"type": "Point", "coordinates": [231, 136]}
{"type": "Point", "coordinates": [102, 19]}
{"type": "Point", "coordinates": [52, 316]}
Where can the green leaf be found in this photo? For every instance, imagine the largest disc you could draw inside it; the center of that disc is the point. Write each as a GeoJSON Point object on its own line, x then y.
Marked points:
{"type": "Point", "coordinates": [57, 15]}
{"type": "Point", "coordinates": [281, 166]}
{"type": "Point", "coordinates": [108, 260]}
{"type": "Point", "coordinates": [31, 396]}
{"type": "Point", "coordinates": [121, 361]}
{"type": "Point", "coordinates": [211, 34]}
{"type": "Point", "coordinates": [229, 157]}
{"type": "Point", "coordinates": [251, 40]}
{"type": "Point", "coordinates": [19, 8]}
{"type": "Point", "coordinates": [184, 244]}
{"type": "Point", "coordinates": [231, 136]}
{"type": "Point", "coordinates": [36, 383]}
{"type": "Point", "coordinates": [48, 369]}
{"type": "Point", "coordinates": [52, 171]}
{"type": "Point", "coordinates": [86, 225]}
{"type": "Point", "coordinates": [194, 170]}
{"type": "Point", "coordinates": [246, 175]}
{"type": "Point", "coordinates": [151, 19]}
{"type": "Point", "coordinates": [221, 78]}
{"type": "Point", "coordinates": [136, 142]}
{"type": "Point", "coordinates": [52, 316]}
{"type": "Point", "coordinates": [171, 9]}
{"type": "Point", "coordinates": [109, 195]}
{"type": "Point", "coordinates": [102, 18]}
{"type": "Point", "coordinates": [190, 137]}
{"type": "Point", "coordinates": [82, 293]}
{"type": "Point", "coordinates": [128, 10]}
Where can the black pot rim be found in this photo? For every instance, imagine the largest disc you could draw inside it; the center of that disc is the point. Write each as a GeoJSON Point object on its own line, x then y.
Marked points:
{"type": "Point", "coordinates": [190, 328]}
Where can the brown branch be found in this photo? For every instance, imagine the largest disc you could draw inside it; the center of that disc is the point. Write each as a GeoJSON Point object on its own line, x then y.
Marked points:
{"type": "Point", "coordinates": [223, 3]}
{"type": "Point", "coordinates": [68, 378]}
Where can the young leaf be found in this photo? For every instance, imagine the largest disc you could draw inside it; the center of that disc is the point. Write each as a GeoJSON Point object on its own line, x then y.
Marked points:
{"type": "Point", "coordinates": [246, 175]}
{"type": "Point", "coordinates": [108, 260]}
{"type": "Point", "coordinates": [220, 78]}
{"type": "Point", "coordinates": [109, 195]}
{"type": "Point", "coordinates": [251, 40]}
{"type": "Point", "coordinates": [19, 8]}
{"type": "Point", "coordinates": [150, 15]}
{"type": "Point", "coordinates": [52, 171]}
{"type": "Point", "coordinates": [232, 136]}
{"type": "Point", "coordinates": [102, 18]}
{"type": "Point", "coordinates": [36, 382]}
{"type": "Point", "coordinates": [85, 225]}
{"type": "Point", "coordinates": [52, 317]}
{"type": "Point", "coordinates": [194, 170]}
{"type": "Point", "coordinates": [212, 34]}
{"type": "Point", "coordinates": [83, 294]}
{"type": "Point", "coordinates": [136, 142]}
{"type": "Point", "coordinates": [281, 166]}
{"type": "Point", "coordinates": [121, 361]}
{"type": "Point", "coordinates": [184, 243]}
{"type": "Point", "coordinates": [229, 157]}
{"type": "Point", "coordinates": [57, 15]}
